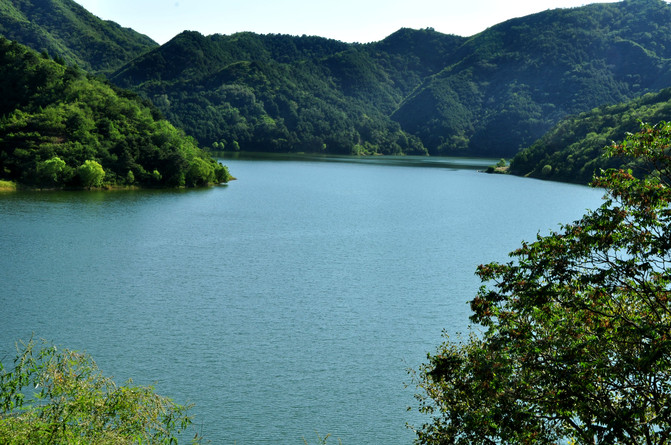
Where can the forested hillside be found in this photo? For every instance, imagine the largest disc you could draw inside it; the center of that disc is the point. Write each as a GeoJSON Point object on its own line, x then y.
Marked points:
{"type": "Point", "coordinates": [491, 94]}
{"type": "Point", "coordinates": [65, 30]}
{"type": "Point", "coordinates": [283, 93]}
{"type": "Point", "coordinates": [61, 127]}
{"type": "Point", "coordinates": [573, 150]}
{"type": "Point", "coordinates": [507, 86]}
{"type": "Point", "coordinates": [415, 92]}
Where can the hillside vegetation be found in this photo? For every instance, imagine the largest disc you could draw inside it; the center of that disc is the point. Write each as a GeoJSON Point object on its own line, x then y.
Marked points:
{"type": "Point", "coordinates": [67, 31]}
{"type": "Point", "coordinates": [574, 149]}
{"type": "Point", "coordinates": [415, 92]}
{"type": "Point", "coordinates": [60, 127]}
{"type": "Point", "coordinates": [274, 93]}
{"type": "Point", "coordinates": [505, 87]}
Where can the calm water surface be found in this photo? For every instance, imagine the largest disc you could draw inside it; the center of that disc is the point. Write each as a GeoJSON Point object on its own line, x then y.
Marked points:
{"type": "Point", "coordinates": [290, 301]}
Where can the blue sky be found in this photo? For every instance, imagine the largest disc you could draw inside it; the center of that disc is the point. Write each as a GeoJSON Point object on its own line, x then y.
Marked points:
{"type": "Point", "coordinates": [346, 20]}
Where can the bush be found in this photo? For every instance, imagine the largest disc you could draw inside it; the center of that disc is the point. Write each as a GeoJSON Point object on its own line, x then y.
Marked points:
{"type": "Point", "coordinates": [60, 396]}
{"type": "Point", "coordinates": [91, 174]}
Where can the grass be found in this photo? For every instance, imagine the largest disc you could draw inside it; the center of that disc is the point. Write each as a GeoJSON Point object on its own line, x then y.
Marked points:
{"type": "Point", "coordinates": [7, 186]}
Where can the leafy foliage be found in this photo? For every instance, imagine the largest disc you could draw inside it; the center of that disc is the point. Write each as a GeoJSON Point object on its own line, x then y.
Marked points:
{"type": "Point", "coordinates": [90, 173]}
{"type": "Point", "coordinates": [56, 123]}
{"type": "Point", "coordinates": [65, 30]}
{"type": "Point", "coordinates": [576, 329]}
{"type": "Point", "coordinates": [60, 396]}
{"type": "Point", "coordinates": [574, 149]}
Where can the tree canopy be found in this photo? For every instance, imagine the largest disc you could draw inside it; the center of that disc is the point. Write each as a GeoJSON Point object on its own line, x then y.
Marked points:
{"type": "Point", "coordinates": [60, 396]}
{"type": "Point", "coordinates": [57, 123]}
{"type": "Point", "coordinates": [68, 32]}
{"type": "Point", "coordinates": [574, 149]}
{"type": "Point", "coordinates": [574, 333]}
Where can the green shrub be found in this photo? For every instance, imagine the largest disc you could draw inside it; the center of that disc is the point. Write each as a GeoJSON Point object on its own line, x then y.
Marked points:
{"type": "Point", "coordinates": [54, 396]}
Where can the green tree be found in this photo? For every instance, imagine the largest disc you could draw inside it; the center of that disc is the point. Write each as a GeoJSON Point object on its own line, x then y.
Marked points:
{"type": "Point", "coordinates": [222, 174]}
{"type": "Point", "coordinates": [52, 172]}
{"type": "Point", "coordinates": [575, 339]}
{"type": "Point", "coordinates": [91, 174]}
{"type": "Point", "coordinates": [200, 173]}
{"type": "Point", "coordinates": [60, 396]}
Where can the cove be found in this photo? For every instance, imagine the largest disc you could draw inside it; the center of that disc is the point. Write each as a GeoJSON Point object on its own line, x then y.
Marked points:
{"type": "Point", "coordinates": [290, 301]}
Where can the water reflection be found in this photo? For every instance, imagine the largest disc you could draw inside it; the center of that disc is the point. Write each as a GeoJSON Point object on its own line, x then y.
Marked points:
{"type": "Point", "coordinates": [406, 161]}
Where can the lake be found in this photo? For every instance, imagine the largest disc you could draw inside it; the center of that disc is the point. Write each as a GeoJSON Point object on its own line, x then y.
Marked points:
{"type": "Point", "coordinates": [289, 302]}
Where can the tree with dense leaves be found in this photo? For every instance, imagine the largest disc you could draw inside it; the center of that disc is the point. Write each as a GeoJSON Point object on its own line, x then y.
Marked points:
{"type": "Point", "coordinates": [55, 396]}
{"type": "Point", "coordinates": [575, 340]}
{"type": "Point", "coordinates": [91, 174]}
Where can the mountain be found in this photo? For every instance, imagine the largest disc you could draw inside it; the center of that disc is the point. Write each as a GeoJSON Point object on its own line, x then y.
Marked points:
{"type": "Point", "coordinates": [61, 127]}
{"type": "Point", "coordinates": [505, 87]}
{"type": "Point", "coordinates": [573, 150]}
{"type": "Point", "coordinates": [66, 30]}
{"type": "Point", "coordinates": [417, 91]}
{"type": "Point", "coordinates": [283, 93]}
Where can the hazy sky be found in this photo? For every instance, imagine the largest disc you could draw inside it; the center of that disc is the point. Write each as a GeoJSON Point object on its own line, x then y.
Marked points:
{"type": "Point", "coordinates": [347, 20]}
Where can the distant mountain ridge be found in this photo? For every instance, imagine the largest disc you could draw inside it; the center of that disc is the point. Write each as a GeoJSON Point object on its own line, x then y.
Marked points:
{"type": "Point", "coordinates": [508, 85]}
{"type": "Point", "coordinates": [415, 92]}
{"type": "Point", "coordinates": [285, 93]}
{"type": "Point", "coordinates": [488, 95]}
{"type": "Point", "coordinates": [65, 29]}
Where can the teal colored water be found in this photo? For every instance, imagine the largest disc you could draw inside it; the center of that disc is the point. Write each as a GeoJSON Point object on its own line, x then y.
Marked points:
{"type": "Point", "coordinates": [291, 301]}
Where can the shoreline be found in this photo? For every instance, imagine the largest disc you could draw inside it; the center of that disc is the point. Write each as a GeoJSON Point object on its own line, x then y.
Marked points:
{"type": "Point", "coordinates": [10, 186]}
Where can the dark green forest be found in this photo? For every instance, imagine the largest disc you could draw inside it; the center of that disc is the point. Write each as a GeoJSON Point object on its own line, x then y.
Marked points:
{"type": "Point", "coordinates": [69, 32]}
{"type": "Point", "coordinates": [61, 127]}
{"type": "Point", "coordinates": [504, 88]}
{"type": "Point", "coordinates": [574, 149]}
{"type": "Point", "coordinates": [415, 92]}
{"type": "Point", "coordinates": [273, 93]}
